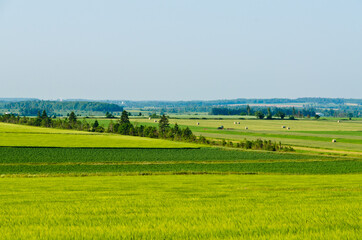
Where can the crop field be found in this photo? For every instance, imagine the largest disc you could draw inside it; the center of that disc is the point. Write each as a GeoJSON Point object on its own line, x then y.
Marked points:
{"type": "Point", "coordinates": [26, 136]}
{"type": "Point", "coordinates": [312, 134]}
{"type": "Point", "coordinates": [83, 161]}
{"type": "Point", "coordinates": [181, 207]}
{"type": "Point", "coordinates": [63, 184]}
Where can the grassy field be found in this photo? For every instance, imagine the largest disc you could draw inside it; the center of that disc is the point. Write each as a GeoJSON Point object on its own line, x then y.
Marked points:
{"type": "Point", "coordinates": [80, 161]}
{"type": "Point", "coordinates": [30, 151]}
{"type": "Point", "coordinates": [315, 134]}
{"type": "Point", "coordinates": [26, 136]}
{"type": "Point", "coordinates": [188, 193]}
{"type": "Point", "coordinates": [181, 207]}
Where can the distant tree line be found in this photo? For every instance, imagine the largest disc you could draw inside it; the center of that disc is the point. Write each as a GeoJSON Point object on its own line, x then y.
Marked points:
{"type": "Point", "coordinates": [261, 112]}
{"type": "Point", "coordinates": [187, 104]}
{"type": "Point", "coordinates": [31, 108]}
{"type": "Point", "coordinates": [124, 127]}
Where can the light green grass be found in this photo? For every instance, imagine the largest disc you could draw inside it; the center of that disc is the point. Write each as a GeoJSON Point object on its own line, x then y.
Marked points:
{"type": "Point", "coordinates": [303, 133]}
{"type": "Point", "coordinates": [181, 207]}
{"type": "Point", "coordinates": [18, 135]}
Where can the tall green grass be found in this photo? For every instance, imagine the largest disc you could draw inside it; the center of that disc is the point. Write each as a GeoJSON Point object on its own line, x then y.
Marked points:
{"type": "Point", "coordinates": [181, 207]}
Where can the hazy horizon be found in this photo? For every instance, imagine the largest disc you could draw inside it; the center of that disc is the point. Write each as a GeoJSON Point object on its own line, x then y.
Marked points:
{"type": "Point", "coordinates": [180, 50]}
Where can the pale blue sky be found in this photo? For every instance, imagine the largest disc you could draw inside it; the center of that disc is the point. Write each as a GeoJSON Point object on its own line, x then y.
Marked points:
{"type": "Point", "coordinates": [180, 50]}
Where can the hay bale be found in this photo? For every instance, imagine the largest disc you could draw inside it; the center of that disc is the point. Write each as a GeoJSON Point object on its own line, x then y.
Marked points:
{"type": "Point", "coordinates": [288, 128]}
{"type": "Point", "coordinates": [155, 120]}
{"type": "Point", "coordinates": [234, 122]}
{"type": "Point", "coordinates": [198, 123]}
{"type": "Point", "coordinates": [334, 140]}
{"type": "Point", "coordinates": [238, 123]}
{"type": "Point", "coordinates": [246, 128]}
{"type": "Point", "coordinates": [338, 121]}
{"type": "Point", "coordinates": [283, 126]}
{"type": "Point", "coordinates": [149, 118]}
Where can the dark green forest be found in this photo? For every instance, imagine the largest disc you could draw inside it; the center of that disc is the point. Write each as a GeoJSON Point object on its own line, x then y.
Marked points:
{"type": "Point", "coordinates": [31, 108]}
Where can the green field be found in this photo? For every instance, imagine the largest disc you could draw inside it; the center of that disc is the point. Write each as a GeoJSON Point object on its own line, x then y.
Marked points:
{"type": "Point", "coordinates": [306, 133]}
{"type": "Point", "coordinates": [181, 207]}
{"type": "Point", "coordinates": [80, 161]}
{"type": "Point", "coordinates": [26, 136]}
{"type": "Point", "coordinates": [64, 184]}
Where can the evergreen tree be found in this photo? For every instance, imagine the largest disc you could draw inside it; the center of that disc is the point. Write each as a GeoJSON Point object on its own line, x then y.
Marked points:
{"type": "Point", "coordinates": [163, 124]}
{"type": "Point", "coordinates": [95, 125]}
{"type": "Point", "coordinates": [72, 118]}
{"type": "Point", "coordinates": [124, 117]}
{"type": "Point", "coordinates": [269, 116]}
{"type": "Point", "coordinates": [44, 115]}
{"type": "Point", "coordinates": [248, 109]}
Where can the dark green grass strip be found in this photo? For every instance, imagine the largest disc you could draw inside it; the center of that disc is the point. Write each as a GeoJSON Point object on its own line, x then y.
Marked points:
{"type": "Point", "coordinates": [319, 167]}
{"type": "Point", "coordinates": [81, 155]}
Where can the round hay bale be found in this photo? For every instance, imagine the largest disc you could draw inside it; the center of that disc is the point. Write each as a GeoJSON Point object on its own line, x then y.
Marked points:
{"type": "Point", "coordinates": [288, 128]}
{"type": "Point", "coordinates": [149, 118]}
{"type": "Point", "coordinates": [234, 122]}
{"type": "Point", "coordinates": [338, 121]}
{"type": "Point", "coordinates": [283, 126]}
{"type": "Point", "coordinates": [198, 123]}
{"type": "Point", "coordinates": [246, 128]}
{"type": "Point", "coordinates": [155, 120]}
{"type": "Point", "coordinates": [334, 140]}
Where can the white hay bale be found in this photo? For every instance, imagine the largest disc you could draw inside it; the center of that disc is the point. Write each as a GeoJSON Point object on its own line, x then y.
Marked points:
{"type": "Point", "coordinates": [149, 118]}
{"type": "Point", "coordinates": [155, 120]}
{"type": "Point", "coordinates": [246, 128]}
{"type": "Point", "coordinates": [198, 123]}
{"type": "Point", "coordinates": [234, 122]}
{"type": "Point", "coordinates": [334, 140]}
{"type": "Point", "coordinates": [238, 123]}
{"type": "Point", "coordinates": [338, 121]}
{"type": "Point", "coordinates": [288, 128]}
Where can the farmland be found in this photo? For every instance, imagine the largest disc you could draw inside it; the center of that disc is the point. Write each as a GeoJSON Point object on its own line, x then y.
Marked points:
{"type": "Point", "coordinates": [181, 207]}
{"type": "Point", "coordinates": [61, 184]}
{"type": "Point", "coordinates": [81, 161]}
{"type": "Point", "coordinates": [26, 136]}
{"type": "Point", "coordinates": [311, 134]}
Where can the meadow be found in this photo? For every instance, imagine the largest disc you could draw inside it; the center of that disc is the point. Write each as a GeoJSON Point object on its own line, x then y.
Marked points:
{"type": "Point", "coordinates": [27, 136]}
{"type": "Point", "coordinates": [65, 184]}
{"type": "Point", "coordinates": [181, 207]}
{"type": "Point", "coordinates": [308, 134]}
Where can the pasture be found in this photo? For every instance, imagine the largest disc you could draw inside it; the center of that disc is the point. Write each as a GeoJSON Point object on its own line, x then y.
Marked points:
{"type": "Point", "coordinates": [305, 133]}
{"type": "Point", "coordinates": [27, 136]}
{"type": "Point", "coordinates": [63, 184]}
{"type": "Point", "coordinates": [181, 207]}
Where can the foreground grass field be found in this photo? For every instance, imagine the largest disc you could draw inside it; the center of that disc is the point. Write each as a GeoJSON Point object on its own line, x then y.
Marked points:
{"type": "Point", "coordinates": [181, 207]}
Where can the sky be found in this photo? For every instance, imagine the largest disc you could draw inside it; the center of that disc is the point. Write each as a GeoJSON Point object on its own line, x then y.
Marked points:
{"type": "Point", "coordinates": [180, 50]}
